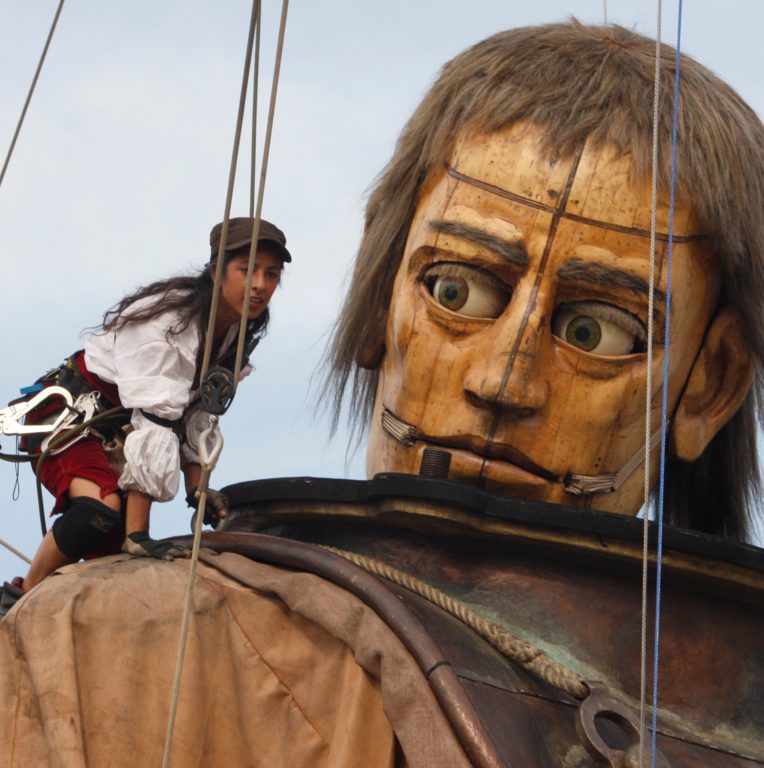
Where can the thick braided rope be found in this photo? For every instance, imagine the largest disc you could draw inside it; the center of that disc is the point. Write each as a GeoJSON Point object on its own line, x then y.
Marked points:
{"type": "Point", "coordinates": [520, 651]}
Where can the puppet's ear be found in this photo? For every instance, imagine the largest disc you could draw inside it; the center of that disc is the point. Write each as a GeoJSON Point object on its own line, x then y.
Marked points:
{"type": "Point", "coordinates": [717, 385]}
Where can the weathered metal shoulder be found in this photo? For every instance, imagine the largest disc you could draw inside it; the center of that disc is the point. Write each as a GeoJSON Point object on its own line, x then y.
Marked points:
{"type": "Point", "coordinates": [567, 582]}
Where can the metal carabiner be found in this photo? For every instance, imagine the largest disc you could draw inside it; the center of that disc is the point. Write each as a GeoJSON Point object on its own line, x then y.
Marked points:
{"type": "Point", "coordinates": [9, 417]}
{"type": "Point", "coordinates": [210, 444]}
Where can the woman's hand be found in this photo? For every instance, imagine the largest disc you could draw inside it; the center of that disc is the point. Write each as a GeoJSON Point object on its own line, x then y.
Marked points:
{"type": "Point", "coordinates": [140, 544]}
{"type": "Point", "coordinates": [215, 508]}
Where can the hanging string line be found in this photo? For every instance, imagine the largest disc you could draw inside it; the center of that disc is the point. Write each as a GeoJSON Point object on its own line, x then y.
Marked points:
{"type": "Point", "coordinates": [209, 456]}
{"type": "Point", "coordinates": [260, 192]}
{"type": "Point", "coordinates": [649, 392]}
{"type": "Point", "coordinates": [205, 365]}
{"type": "Point", "coordinates": [31, 91]}
{"type": "Point", "coordinates": [255, 83]}
{"type": "Point", "coordinates": [15, 551]}
{"type": "Point", "coordinates": [664, 396]}
{"type": "Point", "coordinates": [220, 256]}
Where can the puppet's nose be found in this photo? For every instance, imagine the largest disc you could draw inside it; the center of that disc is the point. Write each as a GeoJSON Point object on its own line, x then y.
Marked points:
{"type": "Point", "coordinates": [507, 372]}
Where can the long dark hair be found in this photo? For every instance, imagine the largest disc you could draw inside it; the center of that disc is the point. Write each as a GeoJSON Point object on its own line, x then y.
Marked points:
{"type": "Point", "coordinates": [188, 295]}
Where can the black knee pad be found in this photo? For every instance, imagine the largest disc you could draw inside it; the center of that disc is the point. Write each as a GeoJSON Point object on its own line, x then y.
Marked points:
{"type": "Point", "coordinates": [87, 522]}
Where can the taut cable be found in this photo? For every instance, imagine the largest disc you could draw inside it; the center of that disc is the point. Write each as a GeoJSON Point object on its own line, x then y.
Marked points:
{"type": "Point", "coordinates": [260, 193]}
{"type": "Point", "coordinates": [15, 551]}
{"type": "Point", "coordinates": [255, 84]}
{"type": "Point", "coordinates": [664, 394]}
{"type": "Point", "coordinates": [207, 465]}
{"type": "Point", "coordinates": [31, 91]}
{"type": "Point", "coordinates": [649, 393]}
{"type": "Point", "coordinates": [220, 256]}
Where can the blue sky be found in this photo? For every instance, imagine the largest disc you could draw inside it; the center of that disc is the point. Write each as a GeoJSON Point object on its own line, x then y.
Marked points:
{"type": "Point", "coordinates": [122, 165]}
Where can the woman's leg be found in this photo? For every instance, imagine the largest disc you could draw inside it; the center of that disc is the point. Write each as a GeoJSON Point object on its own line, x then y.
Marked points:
{"type": "Point", "coordinates": [48, 556]}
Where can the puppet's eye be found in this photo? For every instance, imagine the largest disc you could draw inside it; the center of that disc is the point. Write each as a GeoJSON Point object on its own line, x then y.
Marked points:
{"type": "Point", "coordinates": [599, 328]}
{"type": "Point", "coordinates": [467, 290]}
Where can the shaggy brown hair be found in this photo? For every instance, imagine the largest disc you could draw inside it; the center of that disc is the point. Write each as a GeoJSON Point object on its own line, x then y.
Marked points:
{"type": "Point", "coordinates": [583, 83]}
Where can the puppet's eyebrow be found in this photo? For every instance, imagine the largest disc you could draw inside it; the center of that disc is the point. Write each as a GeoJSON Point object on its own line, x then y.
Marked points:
{"type": "Point", "coordinates": [513, 251]}
{"type": "Point", "coordinates": [600, 274]}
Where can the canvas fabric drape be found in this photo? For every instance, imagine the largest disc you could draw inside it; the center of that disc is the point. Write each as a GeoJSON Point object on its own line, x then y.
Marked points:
{"type": "Point", "coordinates": [282, 669]}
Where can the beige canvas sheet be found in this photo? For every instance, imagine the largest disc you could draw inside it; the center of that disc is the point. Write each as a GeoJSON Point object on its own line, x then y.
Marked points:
{"type": "Point", "coordinates": [282, 669]}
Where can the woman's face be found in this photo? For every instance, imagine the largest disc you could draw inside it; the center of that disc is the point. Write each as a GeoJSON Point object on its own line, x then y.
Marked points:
{"type": "Point", "coordinates": [235, 292]}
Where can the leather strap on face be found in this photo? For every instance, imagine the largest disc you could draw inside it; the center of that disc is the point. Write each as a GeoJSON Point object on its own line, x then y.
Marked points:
{"type": "Point", "coordinates": [586, 485]}
{"type": "Point", "coordinates": [397, 428]}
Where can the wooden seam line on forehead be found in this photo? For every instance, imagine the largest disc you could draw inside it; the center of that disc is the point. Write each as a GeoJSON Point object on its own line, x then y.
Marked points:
{"type": "Point", "coordinates": [509, 368]}
{"type": "Point", "coordinates": [484, 185]}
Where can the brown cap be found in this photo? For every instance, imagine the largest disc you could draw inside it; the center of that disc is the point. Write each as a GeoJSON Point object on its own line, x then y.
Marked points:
{"type": "Point", "coordinates": [240, 234]}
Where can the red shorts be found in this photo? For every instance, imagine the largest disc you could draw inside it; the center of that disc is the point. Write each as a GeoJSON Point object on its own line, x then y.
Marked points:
{"type": "Point", "coordinates": [86, 459]}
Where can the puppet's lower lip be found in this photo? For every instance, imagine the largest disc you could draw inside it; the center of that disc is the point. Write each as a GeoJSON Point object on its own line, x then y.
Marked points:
{"type": "Point", "coordinates": [467, 465]}
{"type": "Point", "coordinates": [493, 453]}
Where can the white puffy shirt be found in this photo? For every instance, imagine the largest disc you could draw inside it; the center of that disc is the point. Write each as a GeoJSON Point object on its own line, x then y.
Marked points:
{"type": "Point", "coordinates": [154, 371]}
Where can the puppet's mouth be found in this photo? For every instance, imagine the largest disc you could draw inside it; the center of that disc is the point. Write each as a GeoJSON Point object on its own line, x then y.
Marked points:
{"type": "Point", "coordinates": [471, 455]}
{"type": "Point", "coordinates": [491, 453]}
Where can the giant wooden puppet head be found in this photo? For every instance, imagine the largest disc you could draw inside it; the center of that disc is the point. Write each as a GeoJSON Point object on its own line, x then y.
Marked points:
{"type": "Point", "coordinates": [499, 304]}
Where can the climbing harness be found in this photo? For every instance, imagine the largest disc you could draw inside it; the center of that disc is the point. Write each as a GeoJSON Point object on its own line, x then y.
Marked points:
{"type": "Point", "coordinates": [58, 410]}
{"type": "Point", "coordinates": [79, 411]}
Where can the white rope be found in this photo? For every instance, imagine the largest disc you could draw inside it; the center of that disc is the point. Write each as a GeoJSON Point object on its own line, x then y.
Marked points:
{"type": "Point", "coordinates": [31, 90]}
{"type": "Point", "coordinates": [604, 11]}
{"type": "Point", "coordinates": [207, 466]}
{"type": "Point", "coordinates": [255, 84]}
{"type": "Point", "coordinates": [649, 393]}
{"type": "Point", "coordinates": [260, 193]}
{"type": "Point", "coordinates": [220, 256]}
{"type": "Point", "coordinates": [211, 441]}
{"type": "Point", "coordinates": [15, 551]}
{"type": "Point", "coordinates": [210, 446]}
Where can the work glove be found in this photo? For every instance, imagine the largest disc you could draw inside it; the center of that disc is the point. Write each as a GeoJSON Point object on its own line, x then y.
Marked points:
{"type": "Point", "coordinates": [217, 503]}
{"type": "Point", "coordinates": [141, 544]}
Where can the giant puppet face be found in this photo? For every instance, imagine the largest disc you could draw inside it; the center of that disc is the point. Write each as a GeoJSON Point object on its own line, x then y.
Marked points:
{"type": "Point", "coordinates": [517, 329]}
